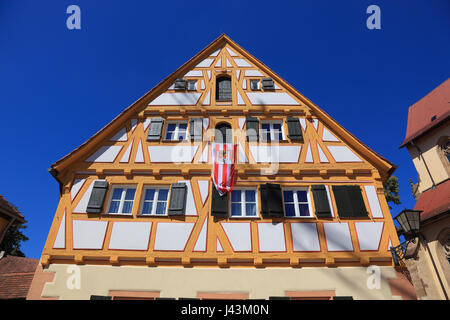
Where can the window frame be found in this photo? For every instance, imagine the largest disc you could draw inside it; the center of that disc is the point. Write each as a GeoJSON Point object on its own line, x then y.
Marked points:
{"type": "Point", "coordinates": [155, 187]}
{"type": "Point", "coordinates": [177, 123]}
{"type": "Point", "coordinates": [258, 88]}
{"type": "Point", "coordinates": [122, 200]}
{"type": "Point", "coordinates": [243, 208]}
{"type": "Point", "coordinates": [195, 85]}
{"type": "Point", "coordinates": [296, 202]}
{"type": "Point", "coordinates": [272, 134]}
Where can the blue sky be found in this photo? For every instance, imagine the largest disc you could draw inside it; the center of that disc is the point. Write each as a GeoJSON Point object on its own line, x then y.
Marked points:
{"type": "Point", "coordinates": [58, 87]}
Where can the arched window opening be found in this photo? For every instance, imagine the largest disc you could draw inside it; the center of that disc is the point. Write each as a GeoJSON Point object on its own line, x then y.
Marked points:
{"type": "Point", "coordinates": [223, 88]}
{"type": "Point", "coordinates": [223, 133]}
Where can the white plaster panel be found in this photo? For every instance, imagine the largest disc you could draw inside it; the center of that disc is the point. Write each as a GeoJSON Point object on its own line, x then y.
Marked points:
{"type": "Point", "coordinates": [343, 154]}
{"type": "Point", "coordinates": [209, 74]}
{"type": "Point", "coordinates": [147, 122]}
{"type": "Point", "coordinates": [194, 73]}
{"type": "Point", "coordinates": [191, 209]}
{"type": "Point", "coordinates": [172, 236]}
{"type": "Point", "coordinates": [172, 153]}
{"type": "Point", "coordinates": [239, 98]}
{"type": "Point", "coordinates": [238, 73]}
{"type": "Point", "coordinates": [205, 63]}
{"type": "Point", "coordinates": [242, 63]}
{"type": "Point", "coordinates": [139, 154]}
{"type": "Point", "coordinates": [244, 84]}
{"type": "Point", "coordinates": [231, 52]}
{"type": "Point", "coordinates": [219, 246]}
{"type": "Point", "coordinates": [120, 136]}
{"type": "Point", "coordinates": [133, 124]}
{"type": "Point", "coordinates": [132, 235]}
{"type": "Point", "coordinates": [200, 245]}
{"type": "Point", "coordinates": [271, 237]}
{"type": "Point", "coordinates": [338, 236]}
{"type": "Point", "coordinates": [207, 99]}
{"type": "Point", "coordinates": [239, 235]}
{"type": "Point", "coordinates": [176, 99]}
{"type": "Point", "coordinates": [309, 157]}
{"type": "Point", "coordinates": [60, 241]}
{"type": "Point", "coordinates": [328, 136]}
{"type": "Point", "coordinates": [315, 123]}
{"type": "Point", "coordinates": [205, 122]}
{"type": "Point", "coordinates": [271, 98]}
{"type": "Point", "coordinates": [205, 154]}
{"type": "Point", "coordinates": [88, 234]}
{"type": "Point", "coordinates": [105, 154]}
{"type": "Point", "coordinates": [203, 186]}
{"type": "Point", "coordinates": [274, 154]}
{"type": "Point", "coordinates": [322, 156]}
{"type": "Point", "coordinates": [202, 84]}
{"type": "Point", "coordinates": [242, 157]}
{"type": "Point", "coordinates": [82, 204]}
{"type": "Point", "coordinates": [241, 122]}
{"type": "Point", "coordinates": [218, 63]}
{"type": "Point", "coordinates": [126, 155]}
{"type": "Point", "coordinates": [305, 236]}
{"type": "Point", "coordinates": [303, 123]}
{"type": "Point", "coordinates": [329, 200]}
{"type": "Point", "coordinates": [77, 184]}
{"type": "Point", "coordinates": [253, 73]}
{"type": "Point", "coordinates": [228, 64]}
{"type": "Point", "coordinates": [369, 234]}
{"type": "Point", "coordinates": [374, 203]}
{"type": "Point", "coordinates": [215, 53]}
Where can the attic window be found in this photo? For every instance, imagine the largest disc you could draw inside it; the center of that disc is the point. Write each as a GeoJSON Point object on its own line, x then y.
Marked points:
{"type": "Point", "coordinates": [268, 84]}
{"type": "Point", "coordinates": [223, 89]}
{"type": "Point", "coordinates": [192, 85]}
{"type": "Point", "coordinates": [180, 84]}
{"type": "Point", "coordinates": [254, 85]}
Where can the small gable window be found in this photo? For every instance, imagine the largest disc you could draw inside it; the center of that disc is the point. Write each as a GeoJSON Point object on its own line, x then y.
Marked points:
{"type": "Point", "coordinates": [192, 85]}
{"type": "Point", "coordinates": [223, 88]}
{"type": "Point", "coordinates": [254, 85]}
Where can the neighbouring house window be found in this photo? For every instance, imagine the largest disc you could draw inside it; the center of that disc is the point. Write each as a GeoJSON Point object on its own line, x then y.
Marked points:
{"type": "Point", "coordinates": [122, 198]}
{"type": "Point", "coordinates": [223, 89]}
{"type": "Point", "coordinates": [296, 203]}
{"type": "Point", "coordinates": [272, 131]}
{"type": "Point", "coordinates": [254, 85]}
{"type": "Point", "coordinates": [191, 85]}
{"type": "Point", "coordinates": [176, 131]}
{"type": "Point", "coordinates": [155, 200]}
{"type": "Point", "coordinates": [243, 203]}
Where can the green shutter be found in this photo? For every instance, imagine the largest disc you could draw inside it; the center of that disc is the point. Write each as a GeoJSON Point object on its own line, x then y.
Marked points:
{"type": "Point", "coordinates": [196, 129]}
{"type": "Point", "coordinates": [177, 202]}
{"type": "Point", "coordinates": [294, 129]}
{"type": "Point", "coordinates": [219, 204]}
{"type": "Point", "coordinates": [97, 198]}
{"type": "Point", "coordinates": [321, 201]}
{"type": "Point", "coordinates": [154, 132]}
{"type": "Point", "coordinates": [252, 128]}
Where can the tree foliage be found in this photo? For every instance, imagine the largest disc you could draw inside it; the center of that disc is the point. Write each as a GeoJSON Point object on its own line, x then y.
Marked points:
{"type": "Point", "coordinates": [13, 239]}
{"type": "Point", "coordinates": [391, 191]}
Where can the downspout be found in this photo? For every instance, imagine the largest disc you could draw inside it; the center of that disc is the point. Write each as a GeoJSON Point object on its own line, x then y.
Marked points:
{"type": "Point", "coordinates": [423, 159]}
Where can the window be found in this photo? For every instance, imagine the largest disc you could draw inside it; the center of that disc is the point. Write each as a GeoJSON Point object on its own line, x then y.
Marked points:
{"type": "Point", "coordinates": [192, 85]}
{"type": "Point", "coordinates": [272, 131]}
{"type": "Point", "coordinates": [296, 203]}
{"type": "Point", "coordinates": [243, 203]}
{"type": "Point", "coordinates": [180, 84]}
{"type": "Point", "coordinates": [176, 131]}
{"type": "Point", "coordinates": [254, 85]}
{"type": "Point", "coordinates": [154, 201]}
{"type": "Point", "coordinates": [223, 133]}
{"type": "Point", "coordinates": [223, 89]}
{"type": "Point", "coordinates": [121, 200]}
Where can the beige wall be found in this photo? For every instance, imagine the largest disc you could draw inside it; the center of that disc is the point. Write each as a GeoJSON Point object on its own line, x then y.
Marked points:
{"type": "Point", "coordinates": [438, 166]}
{"type": "Point", "coordinates": [188, 282]}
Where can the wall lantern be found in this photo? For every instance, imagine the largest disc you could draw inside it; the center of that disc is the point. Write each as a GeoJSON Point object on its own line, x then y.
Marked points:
{"type": "Point", "coordinates": [409, 221]}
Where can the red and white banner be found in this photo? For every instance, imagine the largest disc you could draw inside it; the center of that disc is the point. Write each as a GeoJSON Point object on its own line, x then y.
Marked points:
{"type": "Point", "coordinates": [223, 166]}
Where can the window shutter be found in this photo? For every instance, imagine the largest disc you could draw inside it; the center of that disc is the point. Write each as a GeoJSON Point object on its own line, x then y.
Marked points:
{"type": "Point", "coordinates": [219, 205]}
{"type": "Point", "coordinates": [357, 201]}
{"type": "Point", "coordinates": [252, 127]}
{"type": "Point", "coordinates": [96, 297]}
{"type": "Point", "coordinates": [271, 200]}
{"type": "Point", "coordinates": [268, 84]}
{"type": "Point", "coordinates": [154, 132]}
{"type": "Point", "coordinates": [180, 84]}
{"type": "Point", "coordinates": [196, 129]}
{"type": "Point", "coordinates": [177, 203]}
{"type": "Point", "coordinates": [349, 201]}
{"type": "Point", "coordinates": [98, 194]}
{"type": "Point", "coordinates": [223, 89]}
{"type": "Point", "coordinates": [294, 129]}
{"type": "Point", "coordinates": [321, 201]}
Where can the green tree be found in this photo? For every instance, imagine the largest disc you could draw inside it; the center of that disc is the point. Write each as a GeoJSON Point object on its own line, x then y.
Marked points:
{"type": "Point", "coordinates": [391, 191]}
{"type": "Point", "coordinates": [13, 239]}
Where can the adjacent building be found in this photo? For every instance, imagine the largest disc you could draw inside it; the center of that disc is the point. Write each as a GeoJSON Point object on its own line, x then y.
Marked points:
{"type": "Point", "coordinates": [140, 218]}
{"type": "Point", "coordinates": [428, 142]}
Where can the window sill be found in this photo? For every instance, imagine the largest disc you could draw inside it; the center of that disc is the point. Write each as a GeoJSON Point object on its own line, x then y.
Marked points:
{"type": "Point", "coordinates": [117, 214]}
{"type": "Point", "coordinates": [244, 217]}
{"type": "Point", "coordinates": [143, 215]}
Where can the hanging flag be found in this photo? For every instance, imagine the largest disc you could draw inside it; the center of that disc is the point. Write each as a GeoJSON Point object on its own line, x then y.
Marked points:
{"type": "Point", "coordinates": [223, 166]}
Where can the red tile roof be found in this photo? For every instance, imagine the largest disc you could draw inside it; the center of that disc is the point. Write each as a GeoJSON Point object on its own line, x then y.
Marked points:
{"type": "Point", "coordinates": [10, 210]}
{"type": "Point", "coordinates": [16, 274]}
{"type": "Point", "coordinates": [434, 201]}
{"type": "Point", "coordinates": [435, 104]}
